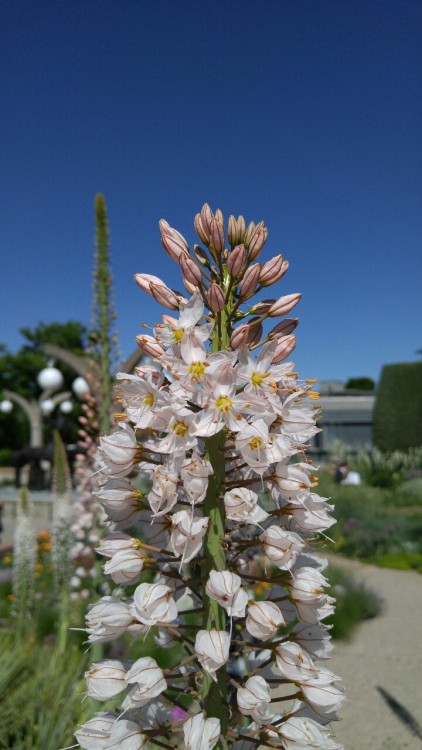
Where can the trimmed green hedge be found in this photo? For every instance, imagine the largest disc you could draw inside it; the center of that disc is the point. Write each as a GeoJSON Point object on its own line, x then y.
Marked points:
{"type": "Point", "coordinates": [398, 407]}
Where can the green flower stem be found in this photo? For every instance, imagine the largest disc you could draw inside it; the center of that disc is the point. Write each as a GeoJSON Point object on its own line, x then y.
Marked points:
{"type": "Point", "coordinates": [214, 694]}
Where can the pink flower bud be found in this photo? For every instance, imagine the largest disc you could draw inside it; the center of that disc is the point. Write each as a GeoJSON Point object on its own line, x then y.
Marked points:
{"type": "Point", "coordinates": [283, 328]}
{"type": "Point", "coordinates": [232, 231]}
{"type": "Point", "coordinates": [255, 332]}
{"type": "Point", "coordinates": [201, 255]}
{"type": "Point", "coordinates": [145, 279]}
{"type": "Point", "coordinates": [219, 216]}
{"type": "Point", "coordinates": [236, 260]}
{"type": "Point", "coordinates": [284, 348]}
{"type": "Point", "coordinates": [206, 217]}
{"type": "Point", "coordinates": [240, 336]}
{"type": "Point", "coordinates": [201, 232]}
{"type": "Point", "coordinates": [173, 242]}
{"type": "Point", "coordinates": [283, 305]}
{"type": "Point", "coordinates": [263, 306]}
{"type": "Point", "coordinates": [248, 234]}
{"type": "Point", "coordinates": [215, 298]}
{"type": "Point", "coordinates": [273, 270]}
{"type": "Point", "coordinates": [257, 240]}
{"type": "Point", "coordinates": [249, 282]}
{"type": "Point", "coordinates": [190, 270]}
{"type": "Point", "coordinates": [217, 236]}
{"type": "Point", "coordinates": [164, 296]}
{"type": "Point", "coordinates": [241, 229]}
{"type": "Point", "coordinates": [191, 288]}
{"type": "Point", "coordinates": [149, 345]}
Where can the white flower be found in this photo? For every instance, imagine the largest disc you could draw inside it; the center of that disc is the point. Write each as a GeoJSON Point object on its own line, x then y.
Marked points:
{"type": "Point", "coordinates": [126, 735]}
{"type": "Point", "coordinates": [125, 566]}
{"type": "Point", "coordinates": [194, 474]}
{"type": "Point", "coordinates": [263, 620]}
{"type": "Point", "coordinates": [254, 698]}
{"type": "Point", "coordinates": [226, 589]}
{"type": "Point", "coordinates": [201, 733]}
{"type": "Point", "coordinates": [119, 452]}
{"type": "Point", "coordinates": [187, 534]}
{"type": "Point", "coordinates": [298, 733]}
{"type": "Point", "coordinates": [94, 733]}
{"type": "Point", "coordinates": [117, 542]}
{"type": "Point", "coordinates": [315, 639]}
{"type": "Point", "coordinates": [107, 619]}
{"type": "Point", "coordinates": [212, 649]}
{"type": "Point", "coordinates": [149, 682]}
{"type": "Point", "coordinates": [281, 547]}
{"type": "Point", "coordinates": [153, 602]}
{"type": "Point", "coordinates": [120, 501]}
{"type": "Point", "coordinates": [105, 679]}
{"type": "Point", "coordinates": [292, 479]}
{"type": "Point", "coordinates": [257, 446]}
{"type": "Point", "coordinates": [241, 504]}
{"type": "Point", "coordinates": [294, 662]}
{"type": "Point", "coordinates": [163, 494]}
{"type": "Point", "coordinates": [322, 691]}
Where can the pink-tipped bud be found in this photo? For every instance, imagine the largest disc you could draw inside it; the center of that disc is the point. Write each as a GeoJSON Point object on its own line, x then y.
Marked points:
{"type": "Point", "coordinates": [283, 305]}
{"type": "Point", "coordinates": [284, 348]}
{"type": "Point", "coordinates": [217, 236]}
{"type": "Point", "coordinates": [173, 242]}
{"type": "Point", "coordinates": [236, 260]}
{"type": "Point", "coordinates": [273, 270]}
{"type": "Point", "coordinates": [202, 233]}
{"type": "Point", "coordinates": [149, 345]}
{"type": "Point", "coordinates": [191, 288]}
{"type": "Point", "coordinates": [283, 328]}
{"type": "Point", "coordinates": [255, 332]}
{"type": "Point", "coordinates": [206, 217]}
{"type": "Point", "coordinates": [219, 216]}
{"type": "Point", "coordinates": [249, 281]}
{"type": "Point", "coordinates": [201, 255]}
{"type": "Point", "coordinates": [190, 270]}
{"type": "Point", "coordinates": [240, 336]}
{"type": "Point", "coordinates": [241, 229]}
{"type": "Point", "coordinates": [215, 297]}
{"type": "Point", "coordinates": [144, 280]}
{"type": "Point", "coordinates": [257, 241]}
{"type": "Point", "coordinates": [164, 296]}
{"type": "Point", "coordinates": [232, 231]}
{"type": "Point", "coordinates": [248, 234]}
{"type": "Point", "coordinates": [263, 306]}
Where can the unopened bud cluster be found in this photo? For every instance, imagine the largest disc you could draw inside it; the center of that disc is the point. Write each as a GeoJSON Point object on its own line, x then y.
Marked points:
{"type": "Point", "coordinates": [225, 567]}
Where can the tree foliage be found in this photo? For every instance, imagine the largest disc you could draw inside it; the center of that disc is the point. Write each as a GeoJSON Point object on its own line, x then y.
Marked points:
{"type": "Point", "coordinates": [360, 384]}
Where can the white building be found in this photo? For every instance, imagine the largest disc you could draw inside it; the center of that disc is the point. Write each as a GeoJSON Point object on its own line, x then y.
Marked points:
{"type": "Point", "coordinates": [346, 415]}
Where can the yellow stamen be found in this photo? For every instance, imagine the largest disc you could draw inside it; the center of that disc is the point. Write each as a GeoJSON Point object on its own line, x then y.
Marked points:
{"type": "Point", "coordinates": [178, 334]}
{"type": "Point", "coordinates": [148, 400]}
{"type": "Point", "coordinates": [224, 404]}
{"type": "Point", "coordinates": [180, 429]}
{"type": "Point", "coordinates": [197, 370]}
{"type": "Point", "coordinates": [255, 443]}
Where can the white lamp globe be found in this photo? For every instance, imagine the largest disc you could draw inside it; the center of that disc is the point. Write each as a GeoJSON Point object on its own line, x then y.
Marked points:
{"type": "Point", "coordinates": [80, 387]}
{"type": "Point", "coordinates": [50, 379]}
{"type": "Point", "coordinates": [47, 406]}
{"type": "Point", "coordinates": [66, 407]}
{"type": "Point", "coordinates": [6, 406]}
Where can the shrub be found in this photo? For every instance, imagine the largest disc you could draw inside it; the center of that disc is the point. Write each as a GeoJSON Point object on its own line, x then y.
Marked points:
{"type": "Point", "coordinates": [398, 407]}
{"type": "Point", "coordinates": [354, 602]}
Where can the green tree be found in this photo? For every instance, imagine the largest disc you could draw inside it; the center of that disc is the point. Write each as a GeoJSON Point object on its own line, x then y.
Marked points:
{"type": "Point", "coordinates": [360, 384]}
{"type": "Point", "coordinates": [18, 372]}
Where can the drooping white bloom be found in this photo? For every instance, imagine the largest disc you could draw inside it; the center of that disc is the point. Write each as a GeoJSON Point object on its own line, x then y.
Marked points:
{"type": "Point", "coordinates": [241, 504]}
{"type": "Point", "coordinates": [148, 679]}
{"type": "Point", "coordinates": [315, 639]}
{"type": "Point", "coordinates": [126, 735]}
{"type": "Point", "coordinates": [212, 649]}
{"type": "Point", "coordinates": [256, 446]}
{"type": "Point", "coordinates": [281, 547]}
{"type": "Point", "coordinates": [107, 619]}
{"type": "Point", "coordinates": [323, 691]}
{"type": "Point", "coordinates": [125, 566]}
{"type": "Point", "coordinates": [311, 514]}
{"type": "Point", "coordinates": [226, 589]}
{"type": "Point", "coordinates": [298, 733]}
{"type": "Point", "coordinates": [201, 733]}
{"type": "Point", "coordinates": [153, 603]}
{"type": "Point", "coordinates": [163, 494]}
{"type": "Point", "coordinates": [117, 542]}
{"type": "Point", "coordinates": [121, 501]}
{"type": "Point", "coordinates": [263, 620]}
{"type": "Point", "coordinates": [105, 679]}
{"type": "Point", "coordinates": [119, 452]}
{"type": "Point", "coordinates": [94, 733]}
{"type": "Point", "coordinates": [294, 662]}
{"type": "Point", "coordinates": [292, 479]}
{"type": "Point", "coordinates": [254, 698]}
{"type": "Point", "coordinates": [194, 474]}
{"type": "Point", "coordinates": [187, 534]}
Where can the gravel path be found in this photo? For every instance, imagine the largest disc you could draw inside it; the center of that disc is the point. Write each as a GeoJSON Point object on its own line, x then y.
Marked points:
{"type": "Point", "coordinates": [381, 667]}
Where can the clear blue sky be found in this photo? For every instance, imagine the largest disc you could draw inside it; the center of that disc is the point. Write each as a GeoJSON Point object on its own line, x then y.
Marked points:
{"type": "Point", "coordinates": [304, 113]}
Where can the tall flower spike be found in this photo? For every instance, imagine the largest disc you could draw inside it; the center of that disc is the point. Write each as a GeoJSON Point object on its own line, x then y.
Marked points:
{"type": "Point", "coordinates": [215, 434]}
